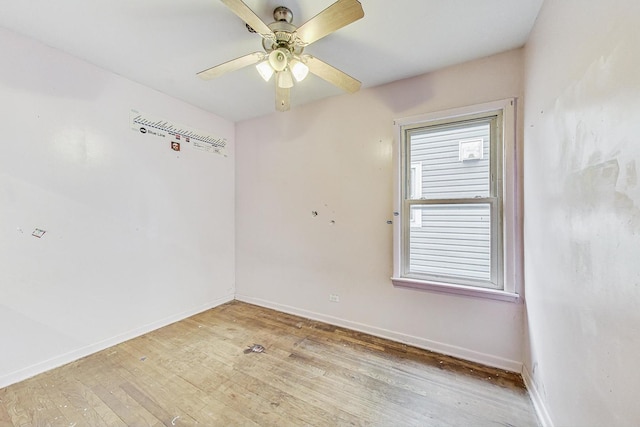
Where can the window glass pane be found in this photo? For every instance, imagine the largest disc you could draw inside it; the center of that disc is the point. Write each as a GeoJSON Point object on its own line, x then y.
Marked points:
{"type": "Point", "coordinates": [454, 158]}
{"type": "Point", "coordinates": [453, 240]}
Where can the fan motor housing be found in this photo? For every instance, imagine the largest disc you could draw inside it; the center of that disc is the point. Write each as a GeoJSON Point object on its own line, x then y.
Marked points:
{"type": "Point", "coordinates": [282, 13]}
{"type": "Point", "coordinates": [285, 38]}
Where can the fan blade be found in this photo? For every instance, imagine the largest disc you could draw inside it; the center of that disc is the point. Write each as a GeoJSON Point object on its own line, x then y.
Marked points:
{"type": "Point", "coordinates": [234, 64]}
{"type": "Point", "coordinates": [332, 74]}
{"type": "Point", "coordinates": [247, 15]}
{"type": "Point", "coordinates": [336, 16]}
{"type": "Point", "coordinates": [283, 98]}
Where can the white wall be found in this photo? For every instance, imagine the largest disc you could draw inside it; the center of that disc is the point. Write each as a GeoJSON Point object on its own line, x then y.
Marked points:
{"type": "Point", "coordinates": [136, 236]}
{"type": "Point", "coordinates": [335, 157]}
{"type": "Point", "coordinates": [582, 212]}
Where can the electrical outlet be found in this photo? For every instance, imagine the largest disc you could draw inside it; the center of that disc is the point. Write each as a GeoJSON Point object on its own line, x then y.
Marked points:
{"type": "Point", "coordinates": [334, 298]}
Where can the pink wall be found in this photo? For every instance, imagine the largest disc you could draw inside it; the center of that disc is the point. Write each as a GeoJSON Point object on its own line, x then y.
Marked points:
{"type": "Point", "coordinates": [335, 157]}
{"type": "Point", "coordinates": [582, 212]}
{"type": "Point", "coordinates": [137, 235]}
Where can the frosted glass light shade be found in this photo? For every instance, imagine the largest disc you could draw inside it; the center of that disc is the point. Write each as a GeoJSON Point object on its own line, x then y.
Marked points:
{"type": "Point", "coordinates": [299, 70]}
{"type": "Point", "coordinates": [285, 81]}
{"type": "Point", "coordinates": [278, 59]}
{"type": "Point", "coordinates": [265, 70]}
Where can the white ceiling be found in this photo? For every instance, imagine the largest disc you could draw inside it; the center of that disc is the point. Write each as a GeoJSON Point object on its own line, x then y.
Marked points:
{"type": "Point", "coordinates": [164, 43]}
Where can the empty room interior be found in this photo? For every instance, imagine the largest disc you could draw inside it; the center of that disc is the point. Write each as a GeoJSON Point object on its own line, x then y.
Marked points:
{"type": "Point", "coordinates": [183, 242]}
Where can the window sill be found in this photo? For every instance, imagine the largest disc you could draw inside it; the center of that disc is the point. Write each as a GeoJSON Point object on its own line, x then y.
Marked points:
{"type": "Point", "coordinates": [456, 289]}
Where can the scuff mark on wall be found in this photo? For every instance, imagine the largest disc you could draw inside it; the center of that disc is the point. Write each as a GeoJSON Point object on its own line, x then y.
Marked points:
{"type": "Point", "coordinates": [632, 176]}
{"type": "Point", "coordinates": [629, 211]}
{"type": "Point", "coordinates": [600, 187]}
{"type": "Point", "coordinates": [593, 185]}
{"type": "Point", "coordinates": [582, 265]}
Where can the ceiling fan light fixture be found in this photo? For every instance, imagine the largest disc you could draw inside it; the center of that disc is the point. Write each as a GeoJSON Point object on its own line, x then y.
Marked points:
{"type": "Point", "coordinates": [265, 70]}
{"type": "Point", "coordinates": [285, 81]}
{"type": "Point", "coordinates": [283, 44]}
{"type": "Point", "coordinates": [299, 70]}
{"type": "Point", "coordinates": [278, 59]}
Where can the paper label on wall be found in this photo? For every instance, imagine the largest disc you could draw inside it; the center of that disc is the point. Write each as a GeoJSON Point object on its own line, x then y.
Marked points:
{"type": "Point", "coordinates": [148, 125]}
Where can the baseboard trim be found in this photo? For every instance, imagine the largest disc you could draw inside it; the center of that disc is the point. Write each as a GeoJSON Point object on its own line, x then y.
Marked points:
{"type": "Point", "coordinates": [425, 344]}
{"type": "Point", "coordinates": [536, 398]}
{"type": "Point", "coordinates": [79, 353]}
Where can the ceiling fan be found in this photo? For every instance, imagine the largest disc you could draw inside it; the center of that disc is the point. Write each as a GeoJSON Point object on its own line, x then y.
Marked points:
{"type": "Point", "coordinates": [284, 43]}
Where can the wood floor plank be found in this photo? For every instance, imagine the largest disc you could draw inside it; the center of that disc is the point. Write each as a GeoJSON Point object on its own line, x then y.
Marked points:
{"type": "Point", "coordinates": [107, 416]}
{"type": "Point", "coordinates": [49, 397]}
{"type": "Point", "coordinates": [120, 408]}
{"type": "Point", "coordinates": [5, 418]}
{"type": "Point", "coordinates": [148, 403]}
{"type": "Point", "coordinates": [33, 407]}
{"type": "Point", "coordinates": [16, 412]}
{"type": "Point", "coordinates": [197, 372]}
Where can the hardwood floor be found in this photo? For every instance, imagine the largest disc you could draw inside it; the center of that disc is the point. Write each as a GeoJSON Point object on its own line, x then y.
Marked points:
{"type": "Point", "coordinates": [197, 372]}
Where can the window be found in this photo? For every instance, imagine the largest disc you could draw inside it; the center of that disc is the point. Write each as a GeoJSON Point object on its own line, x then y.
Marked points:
{"type": "Point", "coordinates": [455, 210]}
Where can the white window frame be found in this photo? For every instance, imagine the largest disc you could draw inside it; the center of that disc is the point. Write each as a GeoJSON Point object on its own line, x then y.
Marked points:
{"type": "Point", "coordinates": [510, 256]}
